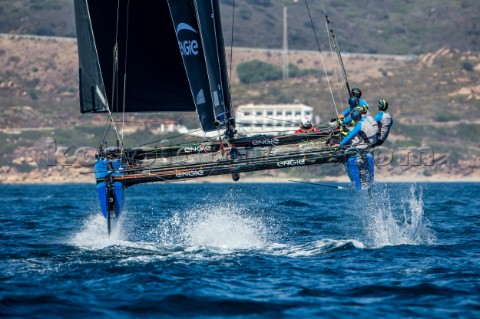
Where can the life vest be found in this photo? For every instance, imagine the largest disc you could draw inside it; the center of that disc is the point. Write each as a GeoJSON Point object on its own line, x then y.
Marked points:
{"type": "Point", "coordinates": [368, 131]}
{"type": "Point", "coordinates": [384, 126]}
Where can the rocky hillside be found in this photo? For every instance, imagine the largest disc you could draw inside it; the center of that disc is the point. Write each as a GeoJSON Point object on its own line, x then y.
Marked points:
{"type": "Point", "coordinates": [434, 99]}
{"type": "Point", "coordinates": [368, 26]}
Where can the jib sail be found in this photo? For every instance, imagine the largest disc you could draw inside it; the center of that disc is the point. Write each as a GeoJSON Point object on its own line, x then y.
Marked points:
{"type": "Point", "coordinates": [152, 56]}
{"type": "Point", "coordinates": [199, 33]}
{"type": "Point", "coordinates": [192, 53]}
{"type": "Point", "coordinates": [209, 22]}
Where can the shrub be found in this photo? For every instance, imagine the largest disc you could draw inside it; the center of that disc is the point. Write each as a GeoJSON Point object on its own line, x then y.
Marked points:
{"type": "Point", "coordinates": [467, 66]}
{"type": "Point", "coordinates": [295, 72]}
{"type": "Point", "coordinates": [34, 94]}
{"type": "Point", "coordinates": [14, 59]}
{"type": "Point", "coordinates": [257, 71]}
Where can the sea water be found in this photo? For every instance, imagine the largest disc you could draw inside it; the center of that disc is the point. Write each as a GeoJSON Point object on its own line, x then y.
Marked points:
{"type": "Point", "coordinates": [242, 251]}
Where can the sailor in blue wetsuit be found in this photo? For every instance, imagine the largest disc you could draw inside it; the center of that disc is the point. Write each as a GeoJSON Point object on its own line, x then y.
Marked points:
{"type": "Point", "coordinates": [352, 104]}
{"type": "Point", "coordinates": [366, 130]}
{"type": "Point", "coordinates": [384, 121]}
{"type": "Point", "coordinates": [344, 119]}
{"type": "Point", "coordinates": [360, 166]}
{"type": "Point", "coordinates": [356, 92]}
{"type": "Point", "coordinates": [355, 100]}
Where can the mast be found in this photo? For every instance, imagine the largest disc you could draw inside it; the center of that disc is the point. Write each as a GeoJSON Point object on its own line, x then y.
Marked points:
{"type": "Point", "coordinates": [339, 55]}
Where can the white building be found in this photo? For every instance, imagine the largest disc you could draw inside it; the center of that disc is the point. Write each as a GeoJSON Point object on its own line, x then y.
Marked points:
{"type": "Point", "coordinates": [273, 118]}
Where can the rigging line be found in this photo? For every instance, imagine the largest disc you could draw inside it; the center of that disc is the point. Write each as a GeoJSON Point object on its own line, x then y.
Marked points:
{"type": "Point", "coordinates": [116, 26]}
{"type": "Point", "coordinates": [334, 64]}
{"type": "Point", "coordinates": [143, 122]}
{"type": "Point", "coordinates": [113, 123]}
{"type": "Point", "coordinates": [115, 73]}
{"type": "Point", "coordinates": [243, 128]}
{"type": "Point", "coordinates": [243, 160]}
{"type": "Point", "coordinates": [125, 70]}
{"type": "Point", "coordinates": [278, 131]}
{"type": "Point", "coordinates": [172, 137]}
{"type": "Point", "coordinates": [106, 128]}
{"type": "Point", "coordinates": [337, 48]}
{"type": "Point", "coordinates": [332, 55]}
{"type": "Point", "coordinates": [220, 137]}
{"type": "Point", "coordinates": [317, 184]}
{"type": "Point", "coordinates": [115, 67]}
{"type": "Point", "coordinates": [201, 142]}
{"type": "Point", "coordinates": [321, 56]}
{"type": "Point", "coordinates": [231, 42]}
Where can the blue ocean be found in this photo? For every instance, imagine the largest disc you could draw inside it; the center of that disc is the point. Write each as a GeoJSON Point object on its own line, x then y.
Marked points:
{"type": "Point", "coordinates": [273, 250]}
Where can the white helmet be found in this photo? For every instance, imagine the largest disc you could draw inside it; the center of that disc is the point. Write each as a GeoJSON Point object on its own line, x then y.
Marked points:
{"type": "Point", "coordinates": [306, 123]}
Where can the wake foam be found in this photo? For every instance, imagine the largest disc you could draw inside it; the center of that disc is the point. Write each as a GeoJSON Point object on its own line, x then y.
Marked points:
{"type": "Point", "coordinates": [224, 227]}
{"type": "Point", "coordinates": [94, 233]}
{"type": "Point", "coordinates": [397, 218]}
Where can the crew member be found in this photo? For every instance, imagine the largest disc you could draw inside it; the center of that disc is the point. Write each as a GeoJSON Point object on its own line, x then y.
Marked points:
{"type": "Point", "coordinates": [352, 104]}
{"type": "Point", "coordinates": [384, 121]}
{"type": "Point", "coordinates": [366, 130]}
{"type": "Point", "coordinates": [306, 126]}
{"type": "Point", "coordinates": [360, 165]}
{"type": "Point", "coordinates": [356, 92]}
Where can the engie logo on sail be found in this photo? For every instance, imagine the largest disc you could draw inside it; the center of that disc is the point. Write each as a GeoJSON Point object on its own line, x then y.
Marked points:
{"type": "Point", "coordinates": [291, 163]}
{"type": "Point", "coordinates": [187, 47]}
{"type": "Point", "coordinates": [190, 174]}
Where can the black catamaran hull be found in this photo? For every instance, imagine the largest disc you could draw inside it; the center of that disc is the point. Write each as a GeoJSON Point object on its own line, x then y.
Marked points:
{"type": "Point", "coordinates": [118, 169]}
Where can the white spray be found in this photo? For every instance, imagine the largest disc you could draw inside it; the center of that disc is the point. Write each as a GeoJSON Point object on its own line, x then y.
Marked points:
{"type": "Point", "coordinates": [404, 224]}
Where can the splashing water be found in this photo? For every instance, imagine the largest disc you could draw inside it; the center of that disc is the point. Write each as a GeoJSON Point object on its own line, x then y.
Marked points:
{"type": "Point", "coordinates": [94, 233]}
{"type": "Point", "coordinates": [389, 227]}
{"type": "Point", "coordinates": [395, 218]}
{"type": "Point", "coordinates": [224, 227]}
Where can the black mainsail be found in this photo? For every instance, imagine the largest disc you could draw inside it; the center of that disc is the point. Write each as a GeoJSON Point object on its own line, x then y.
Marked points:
{"type": "Point", "coordinates": [150, 56]}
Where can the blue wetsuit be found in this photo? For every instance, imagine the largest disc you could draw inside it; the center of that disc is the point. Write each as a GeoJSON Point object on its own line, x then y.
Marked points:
{"type": "Point", "coordinates": [349, 110]}
{"type": "Point", "coordinates": [384, 121]}
{"type": "Point", "coordinates": [366, 128]}
{"type": "Point", "coordinates": [360, 167]}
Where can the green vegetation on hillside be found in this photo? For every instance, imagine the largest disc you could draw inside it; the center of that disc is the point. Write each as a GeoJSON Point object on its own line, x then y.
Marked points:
{"type": "Point", "coordinates": [257, 71]}
{"type": "Point", "coordinates": [368, 26]}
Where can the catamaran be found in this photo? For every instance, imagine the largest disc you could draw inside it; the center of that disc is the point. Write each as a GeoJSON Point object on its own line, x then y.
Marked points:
{"type": "Point", "coordinates": [169, 56]}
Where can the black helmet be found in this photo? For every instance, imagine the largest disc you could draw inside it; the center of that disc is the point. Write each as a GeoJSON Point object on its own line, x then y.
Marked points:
{"type": "Point", "coordinates": [382, 105]}
{"type": "Point", "coordinates": [356, 114]}
{"type": "Point", "coordinates": [357, 92]}
{"type": "Point", "coordinates": [353, 101]}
